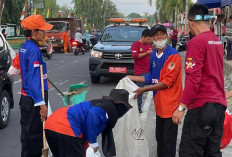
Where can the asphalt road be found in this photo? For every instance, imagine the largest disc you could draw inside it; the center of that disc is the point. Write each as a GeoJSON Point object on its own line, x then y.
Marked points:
{"type": "Point", "coordinates": [64, 70]}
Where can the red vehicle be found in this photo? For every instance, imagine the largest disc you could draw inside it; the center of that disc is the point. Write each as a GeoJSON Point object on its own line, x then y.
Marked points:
{"type": "Point", "coordinates": [60, 26]}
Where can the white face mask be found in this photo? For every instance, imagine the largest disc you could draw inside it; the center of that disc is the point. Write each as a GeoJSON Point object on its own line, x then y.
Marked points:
{"type": "Point", "coordinates": [160, 44]}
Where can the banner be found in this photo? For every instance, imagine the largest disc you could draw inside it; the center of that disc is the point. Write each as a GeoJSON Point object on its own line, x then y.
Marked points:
{"type": "Point", "coordinates": [48, 13]}
{"type": "Point", "coordinates": [35, 11]}
{"type": "Point", "coordinates": [23, 12]}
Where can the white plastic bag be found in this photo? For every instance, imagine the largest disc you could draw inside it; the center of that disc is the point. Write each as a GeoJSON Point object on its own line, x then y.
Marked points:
{"type": "Point", "coordinates": [13, 71]}
{"type": "Point", "coordinates": [129, 137]}
{"type": "Point", "coordinates": [90, 153]}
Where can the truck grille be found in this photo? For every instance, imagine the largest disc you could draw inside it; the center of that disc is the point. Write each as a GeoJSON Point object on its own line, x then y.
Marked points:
{"type": "Point", "coordinates": [56, 41]}
{"type": "Point", "coordinates": [130, 66]}
{"type": "Point", "coordinates": [119, 55]}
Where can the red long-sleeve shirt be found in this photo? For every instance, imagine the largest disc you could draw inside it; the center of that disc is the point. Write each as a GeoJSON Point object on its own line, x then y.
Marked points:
{"type": "Point", "coordinates": [204, 80]}
{"type": "Point", "coordinates": [141, 65]}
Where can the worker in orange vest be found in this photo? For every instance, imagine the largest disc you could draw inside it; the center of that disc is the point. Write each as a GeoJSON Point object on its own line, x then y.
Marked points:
{"type": "Point", "coordinates": [65, 38]}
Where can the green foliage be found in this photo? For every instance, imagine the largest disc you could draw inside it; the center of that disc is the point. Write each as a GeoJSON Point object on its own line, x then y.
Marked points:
{"type": "Point", "coordinates": [166, 9]}
{"type": "Point", "coordinates": [51, 4]}
{"type": "Point", "coordinates": [134, 15]}
{"type": "Point", "coordinates": [97, 11]}
{"type": "Point", "coordinates": [12, 11]}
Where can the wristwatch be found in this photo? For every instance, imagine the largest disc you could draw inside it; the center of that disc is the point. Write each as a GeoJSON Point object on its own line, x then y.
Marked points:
{"type": "Point", "coordinates": [181, 108]}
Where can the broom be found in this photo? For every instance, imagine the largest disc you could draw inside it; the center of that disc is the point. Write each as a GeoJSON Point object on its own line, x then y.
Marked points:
{"type": "Point", "coordinates": [45, 149]}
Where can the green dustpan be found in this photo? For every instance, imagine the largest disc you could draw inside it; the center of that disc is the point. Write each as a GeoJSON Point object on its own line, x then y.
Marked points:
{"type": "Point", "coordinates": [75, 95]}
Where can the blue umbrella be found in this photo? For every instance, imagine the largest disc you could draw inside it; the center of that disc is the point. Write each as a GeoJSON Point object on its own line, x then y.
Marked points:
{"type": "Point", "coordinates": [211, 3]}
{"type": "Point", "coordinates": [215, 3]}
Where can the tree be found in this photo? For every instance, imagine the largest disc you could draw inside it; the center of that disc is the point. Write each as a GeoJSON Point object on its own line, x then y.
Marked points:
{"type": "Point", "coordinates": [166, 9]}
{"type": "Point", "coordinates": [97, 12]}
{"type": "Point", "coordinates": [53, 7]}
{"type": "Point", "coordinates": [134, 15]}
{"type": "Point", "coordinates": [12, 11]}
{"type": "Point", "coordinates": [2, 3]}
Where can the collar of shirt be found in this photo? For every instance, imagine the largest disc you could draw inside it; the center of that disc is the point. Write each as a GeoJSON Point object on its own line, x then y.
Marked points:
{"type": "Point", "coordinates": [35, 42]}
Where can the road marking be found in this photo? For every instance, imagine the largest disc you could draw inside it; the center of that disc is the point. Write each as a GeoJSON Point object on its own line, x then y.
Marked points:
{"type": "Point", "coordinates": [63, 82]}
{"type": "Point", "coordinates": [82, 82]}
{"type": "Point", "coordinates": [64, 65]}
{"type": "Point", "coordinates": [58, 84]}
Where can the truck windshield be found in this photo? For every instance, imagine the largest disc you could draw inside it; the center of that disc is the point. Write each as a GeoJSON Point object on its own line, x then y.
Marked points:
{"type": "Point", "coordinates": [58, 26]}
{"type": "Point", "coordinates": [122, 34]}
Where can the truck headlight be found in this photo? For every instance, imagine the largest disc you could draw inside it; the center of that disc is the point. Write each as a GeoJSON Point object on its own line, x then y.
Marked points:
{"type": "Point", "coordinates": [96, 54]}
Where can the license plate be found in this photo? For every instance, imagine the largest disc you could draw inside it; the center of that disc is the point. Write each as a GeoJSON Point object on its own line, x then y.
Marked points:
{"type": "Point", "coordinates": [117, 69]}
{"type": "Point", "coordinates": [54, 45]}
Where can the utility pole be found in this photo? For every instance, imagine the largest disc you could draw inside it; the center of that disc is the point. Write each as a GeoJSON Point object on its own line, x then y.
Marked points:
{"type": "Point", "coordinates": [186, 17]}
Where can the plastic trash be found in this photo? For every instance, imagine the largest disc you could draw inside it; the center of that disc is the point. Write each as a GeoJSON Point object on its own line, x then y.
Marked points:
{"type": "Point", "coordinates": [90, 153]}
{"type": "Point", "coordinates": [227, 131]}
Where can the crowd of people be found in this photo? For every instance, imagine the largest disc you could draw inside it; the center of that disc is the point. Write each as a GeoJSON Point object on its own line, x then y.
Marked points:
{"type": "Point", "coordinates": [68, 129]}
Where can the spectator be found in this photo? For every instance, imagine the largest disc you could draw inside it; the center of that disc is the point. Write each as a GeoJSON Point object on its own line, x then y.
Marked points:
{"type": "Point", "coordinates": [98, 34]}
{"type": "Point", "coordinates": [87, 36]}
{"type": "Point", "coordinates": [212, 24]}
{"type": "Point", "coordinates": [218, 28]}
{"type": "Point", "coordinates": [4, 33]}
{"type": "Point", "coordinates": [174, 37]}
{"type": "Point", "coordinates": [79, 38]}
{"type": "Point", "coordinates": [73, 16]}
{"type": "Point", "coordinates": [141, 51]}
{"type": "Point", "coordinates": [204, 94]}
{"type": "Point", "coordinates": [165, 77]}
{"type": "Point", "coordinates": [229, 39]}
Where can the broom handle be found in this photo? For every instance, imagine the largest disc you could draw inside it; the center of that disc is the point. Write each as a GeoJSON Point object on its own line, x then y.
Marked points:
{"type": "Point", "coordinates": [42, 88]}
{"type": "Point", "coordinates": [55, 87]}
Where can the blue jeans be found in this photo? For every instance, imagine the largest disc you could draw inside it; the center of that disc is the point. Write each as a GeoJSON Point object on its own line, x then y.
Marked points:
{"type": "Point", "coordinates": [140, 98]}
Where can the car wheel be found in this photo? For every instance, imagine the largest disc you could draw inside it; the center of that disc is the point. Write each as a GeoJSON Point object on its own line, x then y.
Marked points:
{"type": "Point", "coordinates": [95, 79]}
{"type": "Point", "coordinates": [4, 109]}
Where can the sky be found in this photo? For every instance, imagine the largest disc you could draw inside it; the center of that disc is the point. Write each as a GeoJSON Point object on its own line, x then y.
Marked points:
{"type": "Point", "coordinates": [124, 6]}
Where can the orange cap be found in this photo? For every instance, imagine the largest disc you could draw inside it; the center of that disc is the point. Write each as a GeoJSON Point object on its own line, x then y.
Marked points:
{"type": "Point", "coordinates": [36, 22]}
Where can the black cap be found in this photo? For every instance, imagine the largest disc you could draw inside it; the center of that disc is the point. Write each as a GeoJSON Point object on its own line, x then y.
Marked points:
{"type": "Point", "coordinates": [157, 27]}
{"type": "Point", "coordinates": [119, 96]}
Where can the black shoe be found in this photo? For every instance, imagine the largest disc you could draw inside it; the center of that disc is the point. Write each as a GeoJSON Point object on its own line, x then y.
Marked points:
{"type": "Point", "coordinates": [140, 110]}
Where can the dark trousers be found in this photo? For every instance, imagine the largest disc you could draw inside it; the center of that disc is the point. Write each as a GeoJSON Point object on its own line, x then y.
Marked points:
{"type": "Point", "coordinates": [140, 98]}
{"type": "Point", "coordinates": [229, 50]}
{"type": "Point", "coordinates": [202, 131]}
{"type": "Point", "coordinates": [65, 146]}
{"type": "Point", "coordinates": [174, 42]}
{"type": "Point", "coordinates": [166, 135]}
{"type": "Point", "coordinates": [31, 128]}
